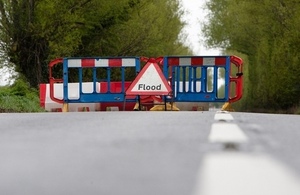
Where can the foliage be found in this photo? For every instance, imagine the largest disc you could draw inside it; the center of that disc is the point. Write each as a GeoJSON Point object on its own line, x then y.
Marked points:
{"type": "Point", "coordinates": [266, 32]}
{"type": "Point", "coordinates": [19, 98]}
{"type": "Point", "coordinates": [33, 32]}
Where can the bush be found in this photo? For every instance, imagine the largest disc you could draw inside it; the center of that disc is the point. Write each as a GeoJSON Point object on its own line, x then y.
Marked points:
{"type": "Point", "coordinates": [19, 97]}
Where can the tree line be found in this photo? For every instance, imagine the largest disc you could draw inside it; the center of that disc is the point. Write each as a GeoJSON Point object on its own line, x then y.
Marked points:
{"type": "Point", "coordinates": [33, 32]}
{"type": "Point", "coordinates": [266, 34]}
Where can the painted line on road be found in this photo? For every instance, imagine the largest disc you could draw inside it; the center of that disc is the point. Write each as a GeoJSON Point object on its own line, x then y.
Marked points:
{"type": "Point", "coordinates": [236, 173]}
{"type": "Point", "coordinates": [219, 116]}
{"type": "Point", "coordinates": [227, 133]}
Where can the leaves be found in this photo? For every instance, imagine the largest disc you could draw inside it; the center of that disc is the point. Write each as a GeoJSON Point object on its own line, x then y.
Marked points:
{"type": "Point", "coordinates": [267, 32]}
{"type": "Point", "coordinates": [33, 32]}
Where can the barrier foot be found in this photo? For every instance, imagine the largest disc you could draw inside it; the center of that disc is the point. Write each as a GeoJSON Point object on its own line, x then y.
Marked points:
{"type": "Point", "coordinates": [174, 107]}
{"type": "Point", "coordinates": [136, 107]}
{"type": "Point", "coordinates": [227, 107]}
{"type": "Point", "coordinates": [139, 107]}
{"type": "Point", "coordinates": [65, 107]}
{"type": "Point", "coordinates": [167, 107]}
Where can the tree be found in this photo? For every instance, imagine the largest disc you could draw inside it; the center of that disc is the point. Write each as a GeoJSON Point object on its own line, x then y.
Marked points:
{"type": "Point", "coordinates": [267, 33]}
{"type": "Point", "coordinates": [35, 31]}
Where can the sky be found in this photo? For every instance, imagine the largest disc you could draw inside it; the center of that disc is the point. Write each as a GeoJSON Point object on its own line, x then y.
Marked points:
{"type": "Point", "coordinates": [194, 16]}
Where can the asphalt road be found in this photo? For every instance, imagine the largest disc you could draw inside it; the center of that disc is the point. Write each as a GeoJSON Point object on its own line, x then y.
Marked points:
{"type": "Point", "coordinates": [274, 134]}
{"type": "Point", "coordinates": [149, 153]}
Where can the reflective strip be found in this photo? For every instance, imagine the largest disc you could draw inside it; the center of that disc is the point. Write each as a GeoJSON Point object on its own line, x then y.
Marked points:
{"type": "Point", "coordinates": [197, 61]}
{"type": "Point", "coordinates": [185, 61]}
{"type": "Point", "coordinates": [74, 63]}
{"type": "Point", "coordinates": [209, 61]}
{"type": "Point", "coordinates": [101, 62]}
{"type": "Point", "coordinates": [128, 62]}
{"type": "Point", "coordinates": [112, 62]}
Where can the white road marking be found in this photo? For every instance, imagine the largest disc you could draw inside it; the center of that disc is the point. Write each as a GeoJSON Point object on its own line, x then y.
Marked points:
{"type": "Point", "coordinates": [222, 111]}
{"type": "Point", "coordinates": [223, 117]}
{"type": "Point", "coordinates": [237, 173]}
{"type": "Point", "coordinates": [234, 173]}
{"type": "Point", "coordinates": [227, 133]}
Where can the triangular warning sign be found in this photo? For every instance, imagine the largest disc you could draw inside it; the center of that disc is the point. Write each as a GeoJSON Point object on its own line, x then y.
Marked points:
{"type": "Point", "coordinates": [150, 81]}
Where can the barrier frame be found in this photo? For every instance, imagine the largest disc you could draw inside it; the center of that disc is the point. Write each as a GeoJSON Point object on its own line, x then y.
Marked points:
{"type": "Point", "coordinates": [171, 69]}
{"type": "Point", "coordinates": [90, 62]}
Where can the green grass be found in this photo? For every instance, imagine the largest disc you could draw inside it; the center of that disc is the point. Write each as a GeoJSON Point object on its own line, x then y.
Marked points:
{"type": "Point", "coordinates": [19, 98]}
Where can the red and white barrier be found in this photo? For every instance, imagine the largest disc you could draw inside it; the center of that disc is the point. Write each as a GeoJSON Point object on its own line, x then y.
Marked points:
{"type": "Point", "coordinates": [73, 93]}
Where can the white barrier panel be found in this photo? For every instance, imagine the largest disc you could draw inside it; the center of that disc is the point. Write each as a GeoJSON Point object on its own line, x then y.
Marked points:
{"type": "Point", "coordinates": [73, 93]}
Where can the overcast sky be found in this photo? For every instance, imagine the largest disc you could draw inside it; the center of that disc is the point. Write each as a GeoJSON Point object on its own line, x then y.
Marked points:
{"type": "Point", "coordinates": [194, 16]}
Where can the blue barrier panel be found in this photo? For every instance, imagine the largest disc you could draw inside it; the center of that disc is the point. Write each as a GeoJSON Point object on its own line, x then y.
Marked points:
{"type": "Point", "coordinates": [197, 78]}
{"type": "Point", "coordinates": [95, 94]}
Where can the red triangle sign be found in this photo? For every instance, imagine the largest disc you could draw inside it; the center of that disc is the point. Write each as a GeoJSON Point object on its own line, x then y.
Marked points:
{"type": "Point", "coordinates": [150, 81]}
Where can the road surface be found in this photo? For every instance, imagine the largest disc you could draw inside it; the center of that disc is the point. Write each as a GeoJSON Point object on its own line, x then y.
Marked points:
{"type": "Point", "coordinates": [149, 153]}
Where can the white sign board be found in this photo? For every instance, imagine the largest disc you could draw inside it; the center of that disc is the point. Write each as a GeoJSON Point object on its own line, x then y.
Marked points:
{"type": "Point", "coordinates": [150, 81]}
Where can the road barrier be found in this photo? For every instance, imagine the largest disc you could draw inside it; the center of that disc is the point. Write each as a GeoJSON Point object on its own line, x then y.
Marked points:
{"type": "Point", "coordinates": [173, 78]}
